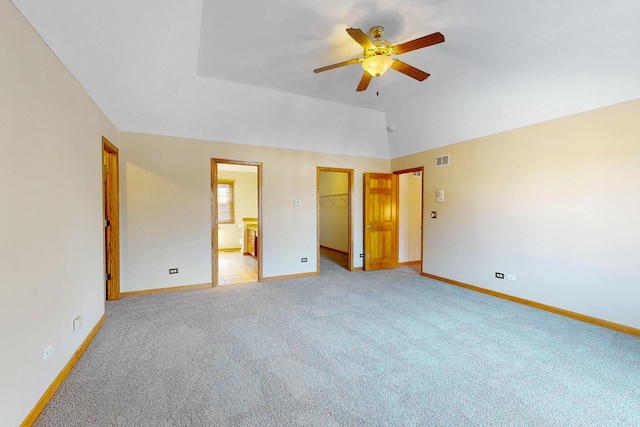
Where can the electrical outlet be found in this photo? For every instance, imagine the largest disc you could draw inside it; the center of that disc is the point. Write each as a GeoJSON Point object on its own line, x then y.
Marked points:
{"type": "Point", "coordinates": [511, 277]}
{"type": "Point", "coordinates": [499, 275]}
{"type": "Point", "coordinates": [303, 260]}
{"type": "Point", "coordinates": [48, 351]}
{"type": "Point", "coordinates": [434, 214]}
{"type": "Point", "coordinates": [173, 271]}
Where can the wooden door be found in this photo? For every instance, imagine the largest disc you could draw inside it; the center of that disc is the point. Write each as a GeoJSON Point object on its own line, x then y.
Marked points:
{"type": "Point", "coordinates": [380, 221]}
{"type": "Point", "coordinates": [111, 219]}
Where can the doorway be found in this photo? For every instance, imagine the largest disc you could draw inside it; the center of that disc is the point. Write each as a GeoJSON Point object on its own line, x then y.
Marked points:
{"type": "Point", "coordinates": [111, 216]}
{"type": "Point", "coordinates": [236, 218]}
{"type": "Point", "coordinates": [334, 216]}
{"type": "Point", "coordinates": [410, 217]}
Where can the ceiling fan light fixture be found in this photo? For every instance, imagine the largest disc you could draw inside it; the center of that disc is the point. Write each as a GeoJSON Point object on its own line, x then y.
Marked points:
{"type": "Point", "coordinates": [376, 56]}
{"type": "Point", "coordinates": [376, 65]}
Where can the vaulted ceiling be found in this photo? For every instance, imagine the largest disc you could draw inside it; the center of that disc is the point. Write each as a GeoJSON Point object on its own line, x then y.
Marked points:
{"type": "Point", "coordinates": [241, 72]}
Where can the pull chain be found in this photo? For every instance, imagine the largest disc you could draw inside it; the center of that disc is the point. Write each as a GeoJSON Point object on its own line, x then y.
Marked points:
{"type": "Point", "coordinates": [377, 85]}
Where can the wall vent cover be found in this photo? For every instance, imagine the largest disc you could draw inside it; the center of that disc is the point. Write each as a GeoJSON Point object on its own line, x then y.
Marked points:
{"type": "Point", "coordinates": [442, 160]}
{"type": "Point", "coordinates": [416, 174]}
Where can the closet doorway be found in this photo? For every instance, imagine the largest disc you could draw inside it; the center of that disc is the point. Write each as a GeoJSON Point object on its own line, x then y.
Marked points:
{"type": "Point", "coordinates": [236, 212]}
{"type": "Point", "coordinates": [334, 218]}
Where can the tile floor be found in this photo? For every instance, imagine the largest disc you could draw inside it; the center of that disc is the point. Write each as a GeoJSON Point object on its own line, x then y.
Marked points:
{"type": "Point", "coordinates": [233, 267]}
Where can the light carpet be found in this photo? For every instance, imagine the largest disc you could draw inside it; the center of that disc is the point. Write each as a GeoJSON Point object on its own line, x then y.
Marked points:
{"type": "Point", "coordinates": [387, 348]}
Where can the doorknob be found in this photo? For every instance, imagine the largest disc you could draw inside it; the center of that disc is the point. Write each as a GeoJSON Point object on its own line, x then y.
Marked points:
{"type": "Point", "coordinates": [368, 226]}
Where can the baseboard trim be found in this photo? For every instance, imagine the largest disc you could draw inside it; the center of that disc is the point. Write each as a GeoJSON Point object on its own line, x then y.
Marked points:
{"type": "Point", "coordinates": [164, 290]}
{"type": "Point", "coordinates": [409, 263]}
{"type": "Point", "coordinates": [334, 250]}
{"type": "Point", "coordinates": [289, 276]}
{"type": "Point", "coordinates": [582, 317]}
{"type": "Point", "coordinates": [48, 394]}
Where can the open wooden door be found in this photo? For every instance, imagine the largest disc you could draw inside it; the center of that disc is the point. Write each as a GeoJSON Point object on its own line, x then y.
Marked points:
{"type": "Point", "coordinates": [380, 221]}
{"type": "Point", "coordinates": [111, 219]}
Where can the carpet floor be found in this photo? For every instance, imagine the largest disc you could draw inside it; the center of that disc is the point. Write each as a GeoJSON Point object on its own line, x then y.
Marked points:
{"type": "Point", "coordinates": [387, 348]}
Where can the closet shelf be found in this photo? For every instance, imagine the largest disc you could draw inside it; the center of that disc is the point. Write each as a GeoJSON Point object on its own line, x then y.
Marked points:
{"type": "Point", "coordinates": [334, 200]}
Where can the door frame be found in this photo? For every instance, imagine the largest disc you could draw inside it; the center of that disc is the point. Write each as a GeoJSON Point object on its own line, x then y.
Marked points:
{"type": "Point", "coordinates": [349, 173]}
{"type": "Point", "coordinates": [214, 215]}
{"type": "Point", "coordinates": [111, 213]}
{"type": "Point", "coordinates": [410, 170]}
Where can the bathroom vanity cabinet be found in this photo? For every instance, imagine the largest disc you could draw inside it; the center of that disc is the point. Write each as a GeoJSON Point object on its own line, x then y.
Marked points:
{"type": "Point", "coordinates": [252, 241]}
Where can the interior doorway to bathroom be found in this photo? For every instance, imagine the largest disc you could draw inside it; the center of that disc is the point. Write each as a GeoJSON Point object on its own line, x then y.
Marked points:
{"type": "Point", "coordinates": [335, 242]}
{"type": "Point", "coordinates": [236, 238]}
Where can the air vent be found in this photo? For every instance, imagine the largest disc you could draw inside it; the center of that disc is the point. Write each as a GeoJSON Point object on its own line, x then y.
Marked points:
{"type": "Point", "coordinates": [442, 160]}
{"type": "Point", "coordinates": [416, 174]}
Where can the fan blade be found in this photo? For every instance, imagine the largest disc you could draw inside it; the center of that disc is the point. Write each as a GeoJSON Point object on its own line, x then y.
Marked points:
{"type": "Point", "coordinates": [364, 82]}
{"type": "Point", "coordinates": [361, 38]}
{"type": "Point", "coordinates": [410, 71]}
{"type": "Point", "coordinates": [425, 41]}
{"type": "Point", "coordinates": [339, 64]}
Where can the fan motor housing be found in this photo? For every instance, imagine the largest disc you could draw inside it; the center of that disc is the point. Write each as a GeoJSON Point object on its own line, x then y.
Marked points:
{"type": "Point", "coordinates": [382, 47]}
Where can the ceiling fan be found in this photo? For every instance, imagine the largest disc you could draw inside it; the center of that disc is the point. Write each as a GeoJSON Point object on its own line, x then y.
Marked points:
{"type": "Point", "coordinates": [377, 55]}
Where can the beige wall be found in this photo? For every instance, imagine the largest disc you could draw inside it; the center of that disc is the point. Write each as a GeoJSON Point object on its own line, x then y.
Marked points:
{"type": "Point", "coordinates": [555, 204]}
{"type": "Point", "coordinates": [51, 242]}
{"type": "Point", "coordinates": [166, 182]}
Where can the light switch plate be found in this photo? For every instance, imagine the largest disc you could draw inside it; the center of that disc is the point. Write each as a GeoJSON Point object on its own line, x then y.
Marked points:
{"type": "Point", "coordinates": [77, 323]}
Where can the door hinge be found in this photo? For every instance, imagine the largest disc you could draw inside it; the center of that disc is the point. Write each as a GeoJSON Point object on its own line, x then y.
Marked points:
{"type": "Point", "coordinates": [107, 223]}
{"type": "Point", "coordinates": [108, 276]}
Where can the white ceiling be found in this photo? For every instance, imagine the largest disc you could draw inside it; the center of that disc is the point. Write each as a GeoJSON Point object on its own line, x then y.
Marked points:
{"type": "Point", "coordinates": [242, 71]}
